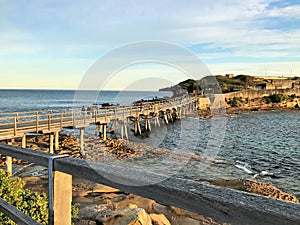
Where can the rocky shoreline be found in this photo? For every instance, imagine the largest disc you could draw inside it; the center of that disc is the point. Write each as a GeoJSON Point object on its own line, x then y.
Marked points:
{"type": "Point", "coordinates": [239, 105]}
{"type": "Point", "coordinates": [100, 204]}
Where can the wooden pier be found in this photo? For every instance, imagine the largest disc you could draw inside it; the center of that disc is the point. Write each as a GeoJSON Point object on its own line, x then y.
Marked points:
{"type": "Point", "coordinates": [142, 117]}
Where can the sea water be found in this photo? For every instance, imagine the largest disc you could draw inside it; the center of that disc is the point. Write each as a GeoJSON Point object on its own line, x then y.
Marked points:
{"type": "Point", "coordinates": [257, 145]}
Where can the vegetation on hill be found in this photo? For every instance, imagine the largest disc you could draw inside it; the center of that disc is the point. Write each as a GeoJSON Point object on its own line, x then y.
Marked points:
{"type": "Point", "coordinates": [237, 83]}
{"type": "Point", "coordinates": [190, 85]}
{"type": "Point", "coordinates": [275, 98]}
{"type": "Point", "coordinates": [226, 84]}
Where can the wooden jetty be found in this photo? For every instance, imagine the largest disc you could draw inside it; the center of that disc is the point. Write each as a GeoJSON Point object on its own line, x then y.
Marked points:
{"type": "Point", "coordinates": [141, 117]}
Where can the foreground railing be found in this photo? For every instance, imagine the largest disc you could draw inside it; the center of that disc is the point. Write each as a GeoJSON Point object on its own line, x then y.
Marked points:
{"type": "Point", "coordinates": [223, 204]}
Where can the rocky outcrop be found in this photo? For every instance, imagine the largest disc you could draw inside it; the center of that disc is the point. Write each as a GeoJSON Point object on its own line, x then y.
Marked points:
{"type": "Point", "coordinates": [254, 187]}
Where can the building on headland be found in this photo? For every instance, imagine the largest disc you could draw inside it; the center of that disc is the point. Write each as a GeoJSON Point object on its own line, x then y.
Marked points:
{"type": "Point", "coordinates": [275, 83]}
{"type": "Point", "coordinates": [229, 75]}
{"type": "Point", "coordinates": [231, 83]}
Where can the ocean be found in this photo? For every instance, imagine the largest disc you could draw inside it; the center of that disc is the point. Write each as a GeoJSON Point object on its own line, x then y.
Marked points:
{"type": "Point", "coordinates": [257, 145]}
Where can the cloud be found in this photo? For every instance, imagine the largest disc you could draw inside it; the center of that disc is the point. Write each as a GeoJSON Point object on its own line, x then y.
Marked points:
{"type": "Point", "coordinates": [269, 69]}
{"type": "Point", "coordinates": [218, 31]}
{"type": "Point", "coordinates": [285, 12]}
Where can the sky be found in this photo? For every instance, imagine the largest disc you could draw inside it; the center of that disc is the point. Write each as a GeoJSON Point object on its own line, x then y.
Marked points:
{"type": "Point", "coordinates": [54, 44]}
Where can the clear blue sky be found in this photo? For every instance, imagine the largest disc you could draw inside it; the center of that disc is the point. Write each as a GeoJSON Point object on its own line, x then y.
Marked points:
{"type": "Point", "coordinates": [51, 44]}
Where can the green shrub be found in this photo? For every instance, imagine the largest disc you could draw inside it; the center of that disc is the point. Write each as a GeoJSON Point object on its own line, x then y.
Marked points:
{"type": "Point", "coordinates": [275, 98]}
{"type": "Point", "coordinates": [31, 203]}
{"type": "Point", "coordinates": [235, 101]}
{"type": "Point", "coordinates": [292, 97]}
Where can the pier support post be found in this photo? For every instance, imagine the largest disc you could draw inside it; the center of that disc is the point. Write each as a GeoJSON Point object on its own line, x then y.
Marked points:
{"type": "Point", "coordinates": [157, 120]}
{"type": "Point", "coordinates": [81, 140]}
{"type": "Point", "coordinates": [139, 127]}
{"type": "Point", "coordinates": [51, 142]}
{"type": "Point", "coordinates": [166, 118]}
{"type": "Point", "coordinates": [8, 161]}
{"type": "Point", "coordinates": [104, 132]}
{"type": "Point", "coordinates": [125, 129]}
{"type": "Point", "coordinates": [135, 126]}
{"type": "Point", "coordinates": [24, 141]}
{"type": "Point", "coordinates": [97, 129]}
{"type": "Point", "coordinates": [101, 130]}
{"type": "Point", "coordinates": [62, 198]}
{"type": "Point", "coordinates": [122, 130]}
{"type": "Point", "coordinates": [56, 141]}
{"type": "Point", "coordinates": [148, 123]}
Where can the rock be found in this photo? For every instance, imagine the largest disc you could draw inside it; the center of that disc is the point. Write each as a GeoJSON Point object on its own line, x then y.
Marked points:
{"type": "Point", "coordinates": [132, 206]}
{"type": "Point", "coordinates": [86, 222]}
{"type": "Point", "coordinates": [159, 219]}
{"type": "Point", "coordinates": [136, 216]}
{"type": "Point", "coordinates": [161, 209]}
{"type": "Point", "coordinates": [254, 187]}
{"type": "Point", "coordinates": [34, 147]}
{"type": "Point", "coordinates": [103, 188]}
{"type": "Point", "coordinates": [139, 201]}
{"type": "Point", "coordinates": [187, 221]}
{"type": "Point", "coordinates": [89, 212]}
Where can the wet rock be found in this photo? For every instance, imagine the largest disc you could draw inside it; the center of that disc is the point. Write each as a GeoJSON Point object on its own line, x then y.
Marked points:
{"type": "Point", "coordinates": [254, 187]}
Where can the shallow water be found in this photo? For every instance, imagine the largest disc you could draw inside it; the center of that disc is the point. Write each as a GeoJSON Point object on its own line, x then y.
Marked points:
{"type": "Point", "coordinates": [264, 143]}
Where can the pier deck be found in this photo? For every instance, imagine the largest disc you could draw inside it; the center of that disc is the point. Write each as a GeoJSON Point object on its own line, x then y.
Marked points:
{"type": "Point", "coordinates": [17, 124]}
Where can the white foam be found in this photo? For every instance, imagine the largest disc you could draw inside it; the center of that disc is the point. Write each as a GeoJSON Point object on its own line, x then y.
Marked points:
{"type": "Point", "coordinates": [244, 168]}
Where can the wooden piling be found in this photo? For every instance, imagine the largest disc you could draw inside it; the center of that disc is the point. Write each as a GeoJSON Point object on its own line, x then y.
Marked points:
{"type": "Point", "coordinates": [122, 130]}
{"type": "Point", "coordinates": [101, 130]}
{"type": "Point", "coordinates": [166, 118]}
{"type": "Point", "coordinates": [81, 139]}
{"type": "Point", "coordinates": [125, 129]}
{"type": "Point", "coordinates": [37, 122]}
{"type": "Point", "coordinates": [139, 126]}
{"type": "Point", "coordinates": [104, 132]}
{"type": "Point", "coordinates": [148, 124]}
{"type": "Point", "coordinates": [8, 162]}
{"type": "Point", "coordinates": [51, 143]}
{"type": "Point", "coordinates": [24, 141]}
{"type": "Point", "coordinates": [56, 141]}
{"type": "Point", "coordinates": [97, 129]}
{"type": "Point", "coordinates": [15, 126]}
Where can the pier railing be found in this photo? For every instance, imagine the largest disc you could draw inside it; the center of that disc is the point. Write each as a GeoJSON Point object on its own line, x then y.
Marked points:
{"type": "Point", "coordinates": [224, 204]}
{"type": "Point", "coordinates": [16, 124]}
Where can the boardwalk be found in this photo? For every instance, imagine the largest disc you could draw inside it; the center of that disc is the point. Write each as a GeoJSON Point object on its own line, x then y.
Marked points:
{"type": "Point", "coordinates": [143, 116]}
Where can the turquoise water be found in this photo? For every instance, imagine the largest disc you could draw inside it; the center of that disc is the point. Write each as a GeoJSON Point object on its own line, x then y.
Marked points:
{"type": "Point", "coordinates": [260, 145]}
